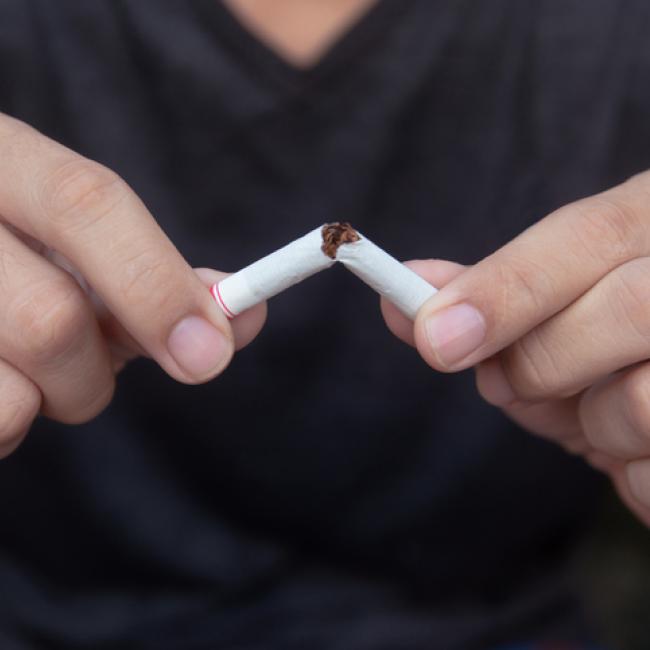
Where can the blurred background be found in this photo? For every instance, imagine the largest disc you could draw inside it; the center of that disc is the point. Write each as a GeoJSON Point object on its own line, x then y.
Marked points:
{"type": "Point", "coordinates": [612, 570]}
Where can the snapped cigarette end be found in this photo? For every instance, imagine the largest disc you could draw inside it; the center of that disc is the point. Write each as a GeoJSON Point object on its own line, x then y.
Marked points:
{"type": "Point", "coordinates": [272, 274]}
{"type": "Point", "coordinates": [335, 234]}
{"type": "Point", "coordinates": [381, 271]}
{"type": "Point", "coordinates": [316, 251]}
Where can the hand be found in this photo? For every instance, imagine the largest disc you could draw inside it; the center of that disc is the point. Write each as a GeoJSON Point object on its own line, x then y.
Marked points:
{"type": "Point", "coordinates": [59, 349]}
{"type": "Point", "coordinates": [557, 323]}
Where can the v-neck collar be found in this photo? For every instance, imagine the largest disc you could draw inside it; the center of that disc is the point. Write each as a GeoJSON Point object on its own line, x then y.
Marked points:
{"type": "Point", "coordinates": [266, 63]}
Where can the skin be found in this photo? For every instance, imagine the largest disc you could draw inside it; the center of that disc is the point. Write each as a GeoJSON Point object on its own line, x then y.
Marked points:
{"type": "Point", "coordinates": [557, 325]}
{"type": "Point", "coordinates": [61, 348]}
{"type": "Point", "coordinates": [300, 31]}
{"type": "Point", "coordinates": [558, 320]}
{"type": "Point", "coordinates": [116, 287]}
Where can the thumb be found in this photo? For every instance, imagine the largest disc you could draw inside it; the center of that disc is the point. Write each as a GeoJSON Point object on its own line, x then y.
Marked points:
{"type": "Point", "coordinates": [125, 348]}
{"type": "Point", "coordinates": [531, 278]}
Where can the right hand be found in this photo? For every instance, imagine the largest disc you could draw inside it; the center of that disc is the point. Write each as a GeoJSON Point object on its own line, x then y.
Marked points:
{"type": "Point", "coordinates": [61, 346]}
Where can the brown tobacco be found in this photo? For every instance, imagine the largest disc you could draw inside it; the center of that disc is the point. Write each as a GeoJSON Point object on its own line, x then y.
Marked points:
{"type": "Point", "coordinates": [335, 234]}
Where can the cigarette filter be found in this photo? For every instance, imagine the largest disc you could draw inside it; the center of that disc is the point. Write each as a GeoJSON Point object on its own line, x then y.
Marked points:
{"type": "Point", "coordinates": [272, 274]}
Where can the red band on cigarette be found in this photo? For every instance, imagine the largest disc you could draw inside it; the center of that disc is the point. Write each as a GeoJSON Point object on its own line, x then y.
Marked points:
{"type": "Point", "coordinates": [216, 294]}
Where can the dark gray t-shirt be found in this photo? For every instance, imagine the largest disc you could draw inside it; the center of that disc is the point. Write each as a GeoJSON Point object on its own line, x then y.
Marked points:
{"type": "Point", "coordinates": [329, 490]}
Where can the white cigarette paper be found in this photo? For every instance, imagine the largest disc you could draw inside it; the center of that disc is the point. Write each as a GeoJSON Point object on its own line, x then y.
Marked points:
{"type": "Point", "coordinates": [388, 277]}
{"type": "Point", "coordinates": [316, 251]}
{"type": "Point", "coordinates": [272, 274]}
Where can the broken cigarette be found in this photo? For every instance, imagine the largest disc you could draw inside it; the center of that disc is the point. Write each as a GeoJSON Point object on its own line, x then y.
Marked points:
{"type": "Point", "coordinates": [272, 274]}
{"type": "Point", "coordinates": [387, 276]}
{"type": "Point", "coordinates": [316, 251]}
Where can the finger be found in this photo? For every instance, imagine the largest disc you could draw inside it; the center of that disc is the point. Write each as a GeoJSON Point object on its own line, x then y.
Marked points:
{"type": "Point", "coordinates": [606, 329]}
{"type": "Point", "coordinates": [122, 346]}
{"type": "Point", "coordinates": [555, 420]}
{"type": "Point", "coordinates": [637, 474]}
{"type": "Point", "coordinates": [615, 414]}
{"type": "Point", "coordinates": [436, 272]}
{"type": "Point", "coordinates": [125, 348]}
{"type": "Point", "coordinates": [20, 401]}
{"type": "Point", "coordinates": [247, 325]}
{"type": "Point", "coordinates": [633, 490]}
{"type": "Point", "coordinates": [533, 277]}
{"type": "Point", "coordinates": [49, 333]}
{"type": "Point", "coordinates": [89, 214]}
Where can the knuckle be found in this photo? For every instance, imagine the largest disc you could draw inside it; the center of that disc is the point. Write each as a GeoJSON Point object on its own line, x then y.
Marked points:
{"type": "Point", "coordinates": [92, 406]}
{"type": "Point", "coordinates": [636, 402]}
{"type": "Point", "coordinates": [531, 369]}
{"type": "Point", "coordinates": [49, 321]}
{"type": "Point", "coordinates": [79, 193]}
{"type": "Point", "coordinates": [147, 280]}
{"type": "Point", "coordinates": [523, 284]}
{"type": "Point", "coordinates": [609, 228]}
{"type": "Point", "coordinates": [631, 296]}
{"type": "Point", "coordinates": [19, 406]}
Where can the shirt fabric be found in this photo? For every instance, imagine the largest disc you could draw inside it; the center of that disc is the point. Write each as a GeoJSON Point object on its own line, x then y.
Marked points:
{"type": "Point", "coordinates": [329, 491]}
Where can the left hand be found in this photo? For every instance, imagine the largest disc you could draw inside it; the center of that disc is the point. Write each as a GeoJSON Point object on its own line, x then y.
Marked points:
{"type": "Point", "coordinates": [557, 323]}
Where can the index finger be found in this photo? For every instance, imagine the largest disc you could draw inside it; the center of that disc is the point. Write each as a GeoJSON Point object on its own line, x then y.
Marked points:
{"type": "Point", "coordinates": [534, 276]}
{"type": "Point", "coordinates": [89, 214]}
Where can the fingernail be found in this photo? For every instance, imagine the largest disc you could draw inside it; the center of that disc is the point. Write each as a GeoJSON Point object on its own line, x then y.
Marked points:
{"type": "Point", "coordinates": [198, 347]}
{"type": "Point", "coordinates": [455, 332]}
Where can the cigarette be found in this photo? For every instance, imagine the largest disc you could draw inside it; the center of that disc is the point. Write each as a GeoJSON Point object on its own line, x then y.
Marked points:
{"type": "Point", "coordinates": [272, 274]}
{"type": "Point", "coordinates": [386, 275]}
{"type": "Point", "coordinates": [316, 251]}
